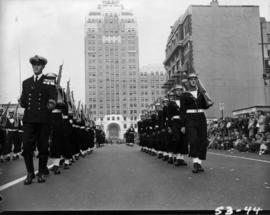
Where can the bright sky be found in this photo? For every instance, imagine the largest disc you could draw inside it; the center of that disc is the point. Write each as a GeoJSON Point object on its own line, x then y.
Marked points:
{"type": "Point", "coordinates": [55, 30]}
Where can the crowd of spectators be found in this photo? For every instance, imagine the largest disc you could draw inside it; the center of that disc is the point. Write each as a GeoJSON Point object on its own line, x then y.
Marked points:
{"type": "Point", "coordinates": [245, 133]}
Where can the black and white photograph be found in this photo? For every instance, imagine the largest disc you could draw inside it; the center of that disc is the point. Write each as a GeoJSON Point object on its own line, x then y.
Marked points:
{"type": "Point", "coordinates": [135, 106]}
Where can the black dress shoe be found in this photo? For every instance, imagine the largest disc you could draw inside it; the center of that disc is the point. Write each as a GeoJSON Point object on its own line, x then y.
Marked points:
{"type": "Point", "coordinates": [66, 166]}
{"type": "Point", "coordinates": [61, 162]}
{"type": "Point", "coordinates": [41, 178]}
{"type": "Point", "coordinates": [56, 170]}
{"type": "Point", "coordinates": [165, 158]}
{"type": "Point", "coordinates": [170, 161]}
{"type": "Point", "coordinates": [180, 162]}
{"type": "Point", "coordinates": [200, 168]}
{"type": "Point", "coordinates": [29, 178]}
{"type": "Point", "coordinates": [160, 156]}
{"type": "Point", "coordinates": [46, 171]}
{"type": "Point", "coordinates": [7, 159]}
{"type": "Point", "coordinates": [195, 168]}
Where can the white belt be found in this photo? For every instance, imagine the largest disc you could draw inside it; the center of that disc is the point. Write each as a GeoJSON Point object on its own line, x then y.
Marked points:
{"type": "Point", "coordinates": [56, 111]}
{"type": "Point", "coordinates": [195, 111]}
{"type": "Point", "coordinates": [9, 129]}
{"type": "Point", "coordinates": [176, 117]}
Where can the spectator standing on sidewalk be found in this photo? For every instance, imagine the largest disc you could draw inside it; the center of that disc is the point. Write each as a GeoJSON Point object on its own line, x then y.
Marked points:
{"type": "Point", "coordinates": [267, 122]}
{"type": "Point", "coordinates": [251, 126]}
{"type": "Point", "coordinates": [261, 122]}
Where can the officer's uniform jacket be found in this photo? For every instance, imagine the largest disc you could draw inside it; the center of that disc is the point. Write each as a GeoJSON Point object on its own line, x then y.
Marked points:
{"type": "Point", "coordinates": [35, 97]}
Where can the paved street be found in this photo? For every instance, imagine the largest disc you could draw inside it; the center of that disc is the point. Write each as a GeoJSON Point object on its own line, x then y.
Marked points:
{"type": "Point", "coordinates": [120, 177]}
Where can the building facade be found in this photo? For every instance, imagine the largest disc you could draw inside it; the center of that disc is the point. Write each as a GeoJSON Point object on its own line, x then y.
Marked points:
{"type": "Point", "coordinates": [111, 62]}
{"type": "Point", "coordinates": [221, 43]}
{"type": "Point", "coordinates": [265, 46]}
{"type": "Point", "coordinates": [151, 80]}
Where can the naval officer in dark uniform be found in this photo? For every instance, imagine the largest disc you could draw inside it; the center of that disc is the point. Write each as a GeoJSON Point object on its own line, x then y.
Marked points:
{"type": "Point", "coordinates": [192, 108]}
{"type": "Point", "coordinates": [39, 99]}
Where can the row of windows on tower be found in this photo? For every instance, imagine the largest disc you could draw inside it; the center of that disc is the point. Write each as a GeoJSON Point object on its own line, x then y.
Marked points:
{"type": "Point", "coordinates": [110, 20]}
{"type": "Point", "coordinates": [108, 112]}
{"type": "Point", "coordinates": [108, 118]}
{"type": "Point", "coordinates": [112, 106]}
{"type": "Point", "coordinates": [111, 32]}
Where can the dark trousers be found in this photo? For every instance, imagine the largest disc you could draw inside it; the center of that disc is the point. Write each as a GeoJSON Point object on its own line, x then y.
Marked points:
{"type": "Point", "coordinates": [84, 140]}
{"type": "Point", "coordinates": [17, 142]}
{"type": "Point", "coordinates": [170, 144]}
{"type": "Point", "coordinates": [92, 139]}
{"type": "Point", "coordinates": [162, 141]}
{"type": "Point", "coordinates": [196, 131]}
{"type": "Point", "coordinates": [2, 140]}
{"type": "Point", "coordinates": [75, 140]}
{"type": "Point", "coordinates": [36, 134]}
{"type": "Point", "coordinates": [67, 127]}
{"type": "Point", "coordinates": [10, 141]}
{"type": "Point", "coordinates": [141, 143]}
{"type": "Point", "coordinates": [57, 136]}
{"type": "Point", "coordinates": [179, 144]}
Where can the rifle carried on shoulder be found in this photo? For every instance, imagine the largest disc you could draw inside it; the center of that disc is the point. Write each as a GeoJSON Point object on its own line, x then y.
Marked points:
{"type": "Point", "coordinates": [16, 116]}
{"type": "Point", "coordinates": [60, 96]}
{"type": "Point", "coordinates": [202, 90]}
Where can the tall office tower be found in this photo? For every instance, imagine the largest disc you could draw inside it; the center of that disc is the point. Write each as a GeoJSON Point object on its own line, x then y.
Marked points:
{"type": "Point", "coordinates": [152, 77]}
{"type": "Point", "coordinates": [222, 44]}
{"type": "Point", "coordinates": [265, 45]}
{"type": "Point", "coordinates": [111, 62]}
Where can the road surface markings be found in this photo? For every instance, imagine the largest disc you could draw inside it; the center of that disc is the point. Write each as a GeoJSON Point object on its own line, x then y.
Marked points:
{"type": "Point", "coordinates": [9, 184]}
{"type": "Point", "coordinates": [232, 156]}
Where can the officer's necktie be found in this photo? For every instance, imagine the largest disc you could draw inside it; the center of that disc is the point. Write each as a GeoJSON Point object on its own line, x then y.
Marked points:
{"type": "Point", "coordinates": [36, 79]}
